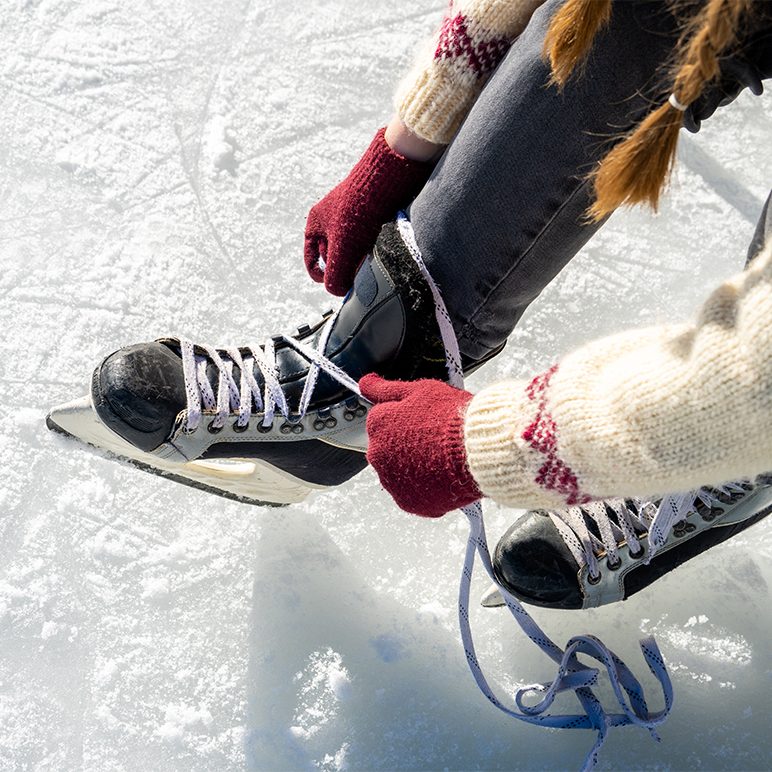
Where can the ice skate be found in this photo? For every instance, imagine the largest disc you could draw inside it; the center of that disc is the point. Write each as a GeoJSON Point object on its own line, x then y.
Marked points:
{"type": "Point", "coordinates": [265, 424]}
{"type": "Point", "coordinates": [603, 552]}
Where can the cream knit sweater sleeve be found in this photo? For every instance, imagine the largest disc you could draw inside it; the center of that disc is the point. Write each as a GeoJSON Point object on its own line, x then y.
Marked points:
{"type": "Point", "coordinates": [647, 411]}
{"type": "Point", "coordinates": [450, 73]}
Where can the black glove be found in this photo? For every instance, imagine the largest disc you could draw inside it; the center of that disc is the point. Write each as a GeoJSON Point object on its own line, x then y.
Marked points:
{"type": "Point", "coordinates": [745, 68]}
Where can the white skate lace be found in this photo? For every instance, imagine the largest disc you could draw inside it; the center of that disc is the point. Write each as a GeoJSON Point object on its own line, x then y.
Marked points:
{"type": "Point", "coordinates": [232, 398]}
{"type": "Point", "coordinates": [626, 523]}
{"type": "Point", "coordinates": [572, 675]}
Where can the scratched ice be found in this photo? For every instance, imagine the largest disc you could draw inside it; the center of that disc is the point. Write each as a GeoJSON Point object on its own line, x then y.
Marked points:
{"type": "Point", "coordinates": [157, 161]}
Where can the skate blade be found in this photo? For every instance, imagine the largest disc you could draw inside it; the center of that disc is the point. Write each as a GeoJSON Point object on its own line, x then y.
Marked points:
{"type": "Point", "coordinates": [245, 480]}
{"type": "Point", "coordinates": [492, 598]}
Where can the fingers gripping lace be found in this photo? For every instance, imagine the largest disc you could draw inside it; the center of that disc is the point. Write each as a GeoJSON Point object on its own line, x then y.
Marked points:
{"type": "Point", "coordinates": [572, 675]}
{"type": "Point", "coordinates": [232, 398]}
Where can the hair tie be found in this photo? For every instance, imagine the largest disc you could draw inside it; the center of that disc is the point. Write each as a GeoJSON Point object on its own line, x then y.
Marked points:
{"type": "Point", "coordinates": [673, 102]}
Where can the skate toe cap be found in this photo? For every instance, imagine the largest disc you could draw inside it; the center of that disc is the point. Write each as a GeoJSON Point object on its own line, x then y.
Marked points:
{"type": "Point", "coordinates": [534, 564]}
{"type": "Point", "coordinates": [138, 392]}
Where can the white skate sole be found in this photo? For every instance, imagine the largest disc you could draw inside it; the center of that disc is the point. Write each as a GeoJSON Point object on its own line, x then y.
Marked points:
{"type": "Point", "coordinates": [242, 479]}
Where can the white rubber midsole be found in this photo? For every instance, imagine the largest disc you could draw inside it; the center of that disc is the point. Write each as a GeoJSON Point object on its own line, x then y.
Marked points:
{"type": "Point", "coordinates": [246, 478]}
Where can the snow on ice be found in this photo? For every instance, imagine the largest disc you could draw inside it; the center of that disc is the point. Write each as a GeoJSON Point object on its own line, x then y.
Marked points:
{"type": "Point", "coordinates": [158, 161]}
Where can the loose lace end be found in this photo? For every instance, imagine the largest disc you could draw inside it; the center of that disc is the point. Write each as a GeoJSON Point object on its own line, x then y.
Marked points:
{"type": "Point", "coordinates": [571, 674]}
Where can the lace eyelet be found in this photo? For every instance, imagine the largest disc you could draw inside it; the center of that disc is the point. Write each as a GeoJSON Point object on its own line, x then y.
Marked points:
{"type": "Point", "coordinates": [615, 566]}
{"type": "Point", "coordinates": [293, 424]}
{"type": "Point", "coordinates": [240, 429]}
{"type": "Point", "coordinates": [325, 416]}
{"type": "Point", "coordinates": [187, 431]}
{"type": "Point", "coordinates": [593, 579]}
{"type": "Point", "coordinates": [264, 429]}
{"type": "Point", "coordinates": [682, 527]}
{"type": "Point", "coordinates": [212, 429]}
{"type": "Point", "coordinates": [636, 555]}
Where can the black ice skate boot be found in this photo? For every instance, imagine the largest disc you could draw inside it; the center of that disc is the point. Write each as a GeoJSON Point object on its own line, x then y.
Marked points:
{"type": "Point", "coordinates": [265, 424]}
{"type": "Point", "coordinates": [599, 553]}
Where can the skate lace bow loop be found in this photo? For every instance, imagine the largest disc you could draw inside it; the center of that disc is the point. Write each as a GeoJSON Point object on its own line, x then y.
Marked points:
{"type": "Point", "coordinates": [240, 398]}
{"type": "Point", "coordinates": [572, 675]}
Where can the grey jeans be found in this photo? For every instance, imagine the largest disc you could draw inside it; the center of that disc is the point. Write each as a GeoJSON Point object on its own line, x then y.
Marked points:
{"type": "Point", "coordinates": [503, 212]}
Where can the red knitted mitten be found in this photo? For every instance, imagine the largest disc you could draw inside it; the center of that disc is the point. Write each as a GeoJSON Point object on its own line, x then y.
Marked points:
{"type": "Point", "coordinates": [344, 225]}
{"type": "Point", "coordinates": [416, 444]}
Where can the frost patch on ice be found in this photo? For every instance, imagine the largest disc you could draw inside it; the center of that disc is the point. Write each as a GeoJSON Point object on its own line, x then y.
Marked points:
{"type": "Point", "coordinates": [698, 638]}
{"type": "Point", "coordinates": [181, 718]}
{"type": "Point", "coordinates": [93, 490]}
{"type": "Point", "coordinates": [336, 761]}
{"type": "Point", "coordinates": [28, 417]}
{"type": "Point", "coordinates": [50, 629]}
{"type": "Point", "coordinates": [105, 716]}
{"type": "Point", "coordinates": [339, 682]}
{"type": "Point", "coordinates": [221, 146]}
{"type": "Point", "coordinates": [76, 79]}
{"type": "Point", "coordinates": [324, 683]}
{"type": "Point", "coordinates": [434, 609]}
{"type": "Point", "coordinates": [156, 589]}
{"type": "Point", "coordinates": [106, 673]}
{"type": "Point", "coordinates": [112, 547]}
{"type": "Point", "coordinates": [169, 555]}
{"type": "Point", "coordinates": [77, 159]}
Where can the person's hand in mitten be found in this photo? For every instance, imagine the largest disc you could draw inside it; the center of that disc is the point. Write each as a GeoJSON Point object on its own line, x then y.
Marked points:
{"type": "Point", "coordinates": [416, 444]}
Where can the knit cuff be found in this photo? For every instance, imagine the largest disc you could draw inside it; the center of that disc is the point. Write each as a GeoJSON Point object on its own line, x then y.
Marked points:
{"type": "Point", "coordinates": [434, 103]}
{"type": "Point", "coordinates": [392, 177]}
{"type": "Point", "coordinates": [498, 459]}
{"type": "Point", "coordinates": [462, 483]}
{"type": "Point", "coordinates": [512, 446]}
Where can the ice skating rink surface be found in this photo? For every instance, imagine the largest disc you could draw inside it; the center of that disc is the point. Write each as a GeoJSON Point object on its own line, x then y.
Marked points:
{"type": "Point", "coordinates": [157, 161]}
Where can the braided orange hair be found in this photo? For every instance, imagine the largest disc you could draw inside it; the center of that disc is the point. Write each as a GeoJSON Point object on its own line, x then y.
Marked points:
{"type": "Point", "coordinates": [637, 169]}
{"type": "Point", "coordinates": [570, 35]}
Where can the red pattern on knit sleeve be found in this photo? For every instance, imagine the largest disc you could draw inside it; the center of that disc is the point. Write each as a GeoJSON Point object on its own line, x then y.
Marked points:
{"type": "Point", "coordinates": [482, 55]}
{"type": "Point", "coordinates": [542, 435]}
